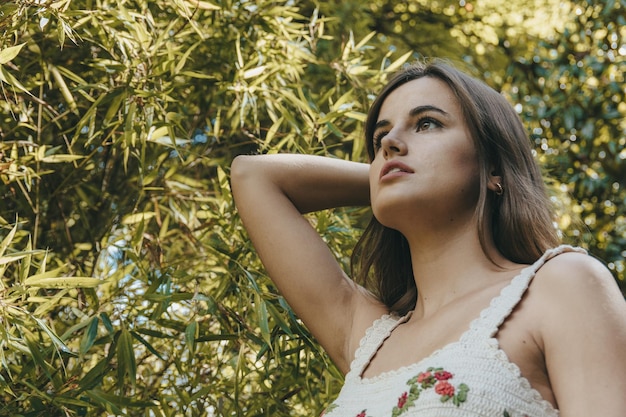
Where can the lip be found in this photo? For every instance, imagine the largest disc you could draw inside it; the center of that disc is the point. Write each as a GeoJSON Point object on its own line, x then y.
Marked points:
{"type": "Point", "coordinates": [394, 165]}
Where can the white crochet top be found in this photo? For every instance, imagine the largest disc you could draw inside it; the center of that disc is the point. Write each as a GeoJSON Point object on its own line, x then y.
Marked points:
{"type": "Point", "coordinates": [467, 378]}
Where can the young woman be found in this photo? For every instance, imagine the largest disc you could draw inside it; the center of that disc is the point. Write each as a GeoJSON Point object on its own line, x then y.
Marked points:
{"type": "Point", "coordinates": [449, 324]}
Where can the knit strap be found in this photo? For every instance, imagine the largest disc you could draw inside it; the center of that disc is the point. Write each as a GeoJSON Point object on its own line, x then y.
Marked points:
{"type": "Point", "coordinates": [374, 337]}
{"type": "Point", "coordinates": [492, 317]}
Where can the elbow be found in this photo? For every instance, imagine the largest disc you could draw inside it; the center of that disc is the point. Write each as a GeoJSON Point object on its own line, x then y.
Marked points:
{"type": "Point", "coordinates": [247, 176]}
{"type": "Point", "coordinates": [240, 170]}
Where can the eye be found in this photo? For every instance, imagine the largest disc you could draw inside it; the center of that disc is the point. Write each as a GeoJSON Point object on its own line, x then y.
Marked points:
{"type": "Point", "coordinates": [378, 137]}
{"type": "Point", "coordinates": [427, 123]}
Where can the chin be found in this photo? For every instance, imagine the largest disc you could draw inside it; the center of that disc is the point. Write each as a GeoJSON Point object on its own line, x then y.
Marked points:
{"type": "Point", "coordinates": [392, 219]}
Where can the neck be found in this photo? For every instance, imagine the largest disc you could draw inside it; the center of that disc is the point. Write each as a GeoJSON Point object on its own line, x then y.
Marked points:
{"type": "Point", "coordinates": [449, 263]}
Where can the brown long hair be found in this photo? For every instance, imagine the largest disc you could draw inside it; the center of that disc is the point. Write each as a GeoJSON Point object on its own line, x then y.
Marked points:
{"type": "Point", "coordinates": [520, 221]}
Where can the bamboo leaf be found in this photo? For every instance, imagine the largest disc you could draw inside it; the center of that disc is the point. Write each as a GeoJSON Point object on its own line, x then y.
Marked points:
{"type": "Point", "coordinates": [117, 99]}
{"type": "Point", "coordinates": [9, 259]}
{"type": "Point", "coordinates": [273, 129]}
{"type": "Point", "coordinates": [89, 336]}
{"type": "Point", "coordinates": [59, 158]}
{"type": "Point", "coordinates": [174, 297]}
{"type": "Point", "coordinates": [58, 343]}
{"type": "Point", "coordinates": [365, 40]}
{"type": "Point", "coordinates": [217, 337]}
{"type": "Point", "coordinates": [65, 91]}
{"type": "Point", "coordinates": [7, 54]}
{"type": "Point", "coordinates": [127, 366]}
{"type": "Point", "coordinates": [109, 402]}
{"type": "Point", "coordinates": [263, 319]}
{"type": "Point", "coordinates": [71, 401]}
{"type": "Point", "coordinates": [6, 77]}
{"type": "Point", "coordinates": [8, 239]}
{"type": "Point", "coordinates": [191, 333]}
{"type": "Point", "coordinates": [35, 353]}
{"type": "Point", "coordinates": [204, 5]}
{"type": "Point", "coordinates": [62, 282]}
{"type": "Point", "coordinates": [75, 328]}
{"type": "Point", "coordinates": [395, 65]}
{"type": "Point", "coordinates": [94, 376]}
{"type": "Point", "coordinates": [147, 345]}
{"type": "Point", "coordinates": [199, 75]}
{"type": "Point", "coordinates": [107, 322]}
{"type": "Point", "coordinates": [138, 217]}
{"type": "Point", "coordinates": [106, 398]}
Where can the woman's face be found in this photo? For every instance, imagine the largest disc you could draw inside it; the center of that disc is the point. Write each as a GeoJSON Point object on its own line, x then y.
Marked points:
{"type": "Point", "coordinates": [425, 166]}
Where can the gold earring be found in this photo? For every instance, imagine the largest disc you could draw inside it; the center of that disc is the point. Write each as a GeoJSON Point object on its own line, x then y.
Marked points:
{"type": "Point", "coordinates": [500, 190]}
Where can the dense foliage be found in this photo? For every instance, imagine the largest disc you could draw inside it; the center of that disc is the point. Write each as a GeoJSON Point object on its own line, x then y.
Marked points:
{"type": "Point", "coordinates": [128, 285]}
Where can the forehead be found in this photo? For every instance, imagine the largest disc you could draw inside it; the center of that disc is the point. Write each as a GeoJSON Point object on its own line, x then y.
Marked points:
{"type": "Point", "coordinates": [425, 91]}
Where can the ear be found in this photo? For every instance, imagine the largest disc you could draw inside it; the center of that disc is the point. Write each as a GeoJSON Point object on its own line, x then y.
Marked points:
{"type": "Point", "coordinates": [494, 180]}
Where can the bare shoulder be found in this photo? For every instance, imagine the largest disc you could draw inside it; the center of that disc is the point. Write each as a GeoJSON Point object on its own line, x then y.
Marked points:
{"type": "Point", "coordinates": [575, 284]}
{"type": "Point", "coordinates": [576, 276]}
{"type": "Point", "coordinates": [581, 327]}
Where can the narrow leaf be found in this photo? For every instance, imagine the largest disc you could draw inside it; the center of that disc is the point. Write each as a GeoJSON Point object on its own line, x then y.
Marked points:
{"type": "Point", "coordinates": [64, 282]}
{"type": "Point", "coordinates": [205, 5]}
{"type": "Point", "coordinates": [89, 336]}
{"type": "Point", "coordinates": [398, 62]}
{"type": "Point", "coordinates": [138, 217]}
{"type": "Point", "coordinates": [8, 239]}
{"type": "Point", "coordinates": [55, 159]}
{"type": "Point", "coordinates": [262, 316]}
{"type": "Point", "coordinates": [190, 336]}
{"type": "Point", "coordinates": [126, 358]}
{"type": "Point", "coordinates": [65, 91]}
{"type": "Point", "coordinates": [7, 54]}
{"type": "Point", "coordinates": [147, 345]}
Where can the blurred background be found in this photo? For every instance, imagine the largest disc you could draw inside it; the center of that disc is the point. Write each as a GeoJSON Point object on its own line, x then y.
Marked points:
{"type": "Point", "coordinates": [129, 287]}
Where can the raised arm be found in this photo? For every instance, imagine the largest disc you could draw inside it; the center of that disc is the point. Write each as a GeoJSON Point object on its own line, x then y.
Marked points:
{"type": "Point", "coordinates": [271, 193]}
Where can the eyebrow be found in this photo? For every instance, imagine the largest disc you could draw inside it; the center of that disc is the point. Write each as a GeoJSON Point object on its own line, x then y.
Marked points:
{"type": "Point", "coordinates": [412, 113]}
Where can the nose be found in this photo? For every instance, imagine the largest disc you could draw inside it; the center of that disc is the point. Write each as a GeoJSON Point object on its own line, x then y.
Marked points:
{"type": "Point", "coordinates": [391, 145]}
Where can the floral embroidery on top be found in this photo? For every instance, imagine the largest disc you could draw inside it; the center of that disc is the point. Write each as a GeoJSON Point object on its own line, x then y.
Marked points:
{"type": "Point", "coordinates": [436, 378]}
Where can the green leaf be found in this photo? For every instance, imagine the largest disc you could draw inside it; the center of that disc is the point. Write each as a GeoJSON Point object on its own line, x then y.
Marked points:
{"type": "Point", "coordinates": [263, 319]}
{"type": "Point", "coordinates": [7, 54]}
{"type": "Point", "coordinates": [138, 217]}
{"type": "Point", "coordinates": [89, 336]}
{"type": "Point", "coordinates": [59, 158]}
{"type": "Point", "coordinates": [65, 91]}
{"type": "Point", "coordinates": [204, 5]}
{"type": "Point", "coordinates": [127, 365]}
{"type": "Point", "coordinates": [109, 402]}
{"type": "Point", "coordinates": [8, 239]}
{"type": "Point", "coordinates": [70, 401]}
{"type": "Point", "coordinates": [107, 322]}
{"type": "Point", "coordinates": [395, 65]}
{"type": "Point", "coordinates": [63, 282]}
{"type": "Point", "coordinates": [36, 354]}
{"type": "Point", "coordinates": [10, 259]}
{"type": "Point", "coordinates": [95, 375]}
{"type": "Point", "coordinates": [114, 400]}
{"type": "Point", "coordinates": [56, 340]}
{"type": "Point", "coordinates": [147, 345]}
{"type": "Point", "coordinates": [191, 333]}
{"type": "Point", "coordinates": [6, 77]}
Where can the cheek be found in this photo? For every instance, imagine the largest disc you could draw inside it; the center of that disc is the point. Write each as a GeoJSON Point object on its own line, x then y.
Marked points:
{"type": "Point", "coordinates": [470, 175]}
{"type": "Point", "coordinates": [374, 173]}
{"type": "Point", "coordinates": [465, 160]}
